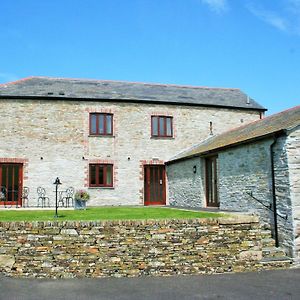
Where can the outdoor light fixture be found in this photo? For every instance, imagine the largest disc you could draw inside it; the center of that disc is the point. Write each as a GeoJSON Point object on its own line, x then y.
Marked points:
{"type": "Point", "coordinates": [57, 183]}
{"type": "Point", "coordinates": [194, 169]}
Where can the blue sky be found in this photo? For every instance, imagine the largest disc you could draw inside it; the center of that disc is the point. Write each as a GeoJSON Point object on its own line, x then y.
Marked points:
{"type": "Point", "coordinates": [249, 44]}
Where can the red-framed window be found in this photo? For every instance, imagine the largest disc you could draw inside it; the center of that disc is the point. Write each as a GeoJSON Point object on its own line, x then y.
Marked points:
{"type": "Point", "coordinates": [101, 124]}
{"type": "Point", "coordinates": [161, 126]}
{"type": "Point", "coordinates": [101, 175]}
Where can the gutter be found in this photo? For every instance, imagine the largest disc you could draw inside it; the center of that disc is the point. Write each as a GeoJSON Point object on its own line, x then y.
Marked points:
{"type": "Point", "coordinates": [153, 101]}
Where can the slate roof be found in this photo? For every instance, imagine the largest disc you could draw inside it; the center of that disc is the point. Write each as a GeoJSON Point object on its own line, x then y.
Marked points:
{"type": "Point", "coordinates": [280, 122]}
{"type": "Point", "coordinates": [103, 90]}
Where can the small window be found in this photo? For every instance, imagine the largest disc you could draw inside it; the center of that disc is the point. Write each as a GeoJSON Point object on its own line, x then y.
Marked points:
{"type": "Point", "coordinates": [101, 124]}
{"type": "Point", "coordinates": [101, 175]}
{"type": "Point", "coordinates": [161, 126]}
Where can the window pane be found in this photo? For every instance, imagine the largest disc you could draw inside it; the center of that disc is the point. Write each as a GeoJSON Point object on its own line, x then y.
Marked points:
{"type": "Point", "coordinates": [108, 124]}
{"type": "Point", "coordinates": [161, 126]}
{"type": "Point", "coordinates": [169, 126]}
{"type": "Point", "coordinates": [3, 183]}
{"type": "Point", "coordinates": [94, 124]}
{"type": "Point", "coordinates": [154, 125]}
{"type": "Point", "coordinates": [92, 174]}
{"type": "Point", "coordinates": [101, 124]}
{"type": "Point", "coordinates": [100, 175]}
{"type": "Point", "coordinates": [16, 182]}
{"type": "Point", "coordinates": [109, 175]}
{"type": "Point", "coordinates": [9, 180]}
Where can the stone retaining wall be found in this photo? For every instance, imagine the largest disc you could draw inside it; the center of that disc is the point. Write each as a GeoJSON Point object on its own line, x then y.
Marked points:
{"type": "Point", "coordinates": [130, 248]}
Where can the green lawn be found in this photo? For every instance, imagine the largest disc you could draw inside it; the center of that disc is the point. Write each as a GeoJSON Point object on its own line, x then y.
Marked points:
{"type": "Point", "coordinates": [104, 213]}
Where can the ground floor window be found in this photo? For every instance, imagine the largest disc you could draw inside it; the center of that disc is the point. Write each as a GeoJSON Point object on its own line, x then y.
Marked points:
{"type": "Point", "coordinates": [101, 175]}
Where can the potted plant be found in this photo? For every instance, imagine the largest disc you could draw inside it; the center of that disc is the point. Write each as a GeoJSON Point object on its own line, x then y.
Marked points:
{"type": "Point", "coordinates": [81, 197]}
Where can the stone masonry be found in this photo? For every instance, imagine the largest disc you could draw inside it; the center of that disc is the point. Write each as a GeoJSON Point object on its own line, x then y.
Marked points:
{"type": "Point", "coordinates": [293, 158]}
{"type": "Point", "coordinates": [186, 188]}
{"type": "Point", "coordinates": [51, 138]}
{"type": "Point", "coordinates": [130, 248]}
{"type": "Point", "coordinates": [245, 170]}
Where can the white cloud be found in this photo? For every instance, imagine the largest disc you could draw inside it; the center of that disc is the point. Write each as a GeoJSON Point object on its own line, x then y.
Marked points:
{"type": "Point", "coordinates": [218, 6]}
{"type": "Point", "coordinates": [285, 19]}
{"type": "Point", "coordinates": [270, 17]}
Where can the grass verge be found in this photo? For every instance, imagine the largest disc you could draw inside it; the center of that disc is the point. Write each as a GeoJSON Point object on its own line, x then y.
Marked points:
{"type": "Point", "coordinates": [105, 213]}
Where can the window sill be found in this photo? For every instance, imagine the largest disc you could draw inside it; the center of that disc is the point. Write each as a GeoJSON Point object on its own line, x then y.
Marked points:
{"type": "Point", "coordinates": [101, 187]}
{"type": "Point", "coordinates": [102, 135]}
{"type": "Point", "coordinates": [162, 137]}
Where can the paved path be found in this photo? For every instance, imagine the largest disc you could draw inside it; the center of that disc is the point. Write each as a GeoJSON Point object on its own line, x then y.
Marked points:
{"type": "Point", "coordinates": [271, 285]}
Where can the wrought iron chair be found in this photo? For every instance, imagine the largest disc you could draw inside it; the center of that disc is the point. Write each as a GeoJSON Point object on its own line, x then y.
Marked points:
{"type": "Point", "coordinates": [66, 197]}
{"type": "Point", "coordinates": [42, 198]}
{"type": "Point", "coordinates": [25, 193]}
{"type": "Point", "coordinates": [69, 197]}
{"type": "Point", "coordinates": [3, 195]}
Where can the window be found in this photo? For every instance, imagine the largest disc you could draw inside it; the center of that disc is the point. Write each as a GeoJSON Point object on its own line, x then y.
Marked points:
{"type": "Point", "coordinates": [101, 175]}
{"type": "Point", "coordinates": [101, 124]}
{"type": "Point", "coordinates": [161, 126]}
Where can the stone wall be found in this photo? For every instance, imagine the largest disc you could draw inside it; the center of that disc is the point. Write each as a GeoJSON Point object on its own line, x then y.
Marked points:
{"type": "Point", "coordinates": [242, 170]}
{"type": "Point", "coordinates": [245, 170]}
{"type": "Point", "coordinates": [186, 188]}
{"type": "Point", "coordinates": [283, 195]}
{"type": "Point", "coordinates": [130, 248]}
{"type": "Point", "coordinates": [293, 159]}
{"type": "Point", "coordinates": [52, 138]}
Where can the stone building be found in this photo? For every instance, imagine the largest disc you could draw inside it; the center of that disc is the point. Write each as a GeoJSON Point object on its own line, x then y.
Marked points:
{"type": "Point", "coordinates": [253, 168]}
{"type": "Point", "coordinates": [111, 138]}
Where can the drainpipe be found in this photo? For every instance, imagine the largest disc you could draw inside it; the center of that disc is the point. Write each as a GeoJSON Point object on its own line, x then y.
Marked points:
{"type": "Point", "coordinates": [274, 192]}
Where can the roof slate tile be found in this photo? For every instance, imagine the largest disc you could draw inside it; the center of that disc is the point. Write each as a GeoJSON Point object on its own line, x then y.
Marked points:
{"type": "Point", "coordinates": [97, 90]}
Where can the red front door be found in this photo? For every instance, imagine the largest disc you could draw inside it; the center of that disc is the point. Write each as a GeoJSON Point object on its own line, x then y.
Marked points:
{"type": "Point", "coordinates": [155, 185]}
{"type": "Point", "coordinates": [11, 176]}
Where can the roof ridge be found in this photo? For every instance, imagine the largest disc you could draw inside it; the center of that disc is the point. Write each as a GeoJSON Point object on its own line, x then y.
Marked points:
{"type": "Point", "coordinates": [121, 81]}
{"type": "Point", "coordinates": [18, 80]}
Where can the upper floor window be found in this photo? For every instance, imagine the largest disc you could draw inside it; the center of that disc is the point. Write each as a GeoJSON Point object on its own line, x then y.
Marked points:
{"type": "Point", "coordinates": [161, 126]}
{"type": "Point", "coordinates": [101, 175]}
{"type": "Point", "coordinates": [101, 124]}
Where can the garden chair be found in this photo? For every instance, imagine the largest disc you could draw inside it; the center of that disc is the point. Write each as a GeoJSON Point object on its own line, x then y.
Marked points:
{"type": "Point", "coordinates": [42, 198]}
{"type": "Point", "coordinates": [25, 194]}
{"type": "Point", "coordinates": [69, 198]}
{"type": "Point", "coordinates": [3, 195]}
{"type": "Point", "coordinates": [61, 197]}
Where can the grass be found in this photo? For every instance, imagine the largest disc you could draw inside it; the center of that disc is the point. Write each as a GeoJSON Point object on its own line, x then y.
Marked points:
{"type": "Point", "coordinates": [104, 213]}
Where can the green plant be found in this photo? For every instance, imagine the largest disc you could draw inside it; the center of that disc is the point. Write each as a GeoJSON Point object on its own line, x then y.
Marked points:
{"type": "Point", "coordinates": [82, 195]}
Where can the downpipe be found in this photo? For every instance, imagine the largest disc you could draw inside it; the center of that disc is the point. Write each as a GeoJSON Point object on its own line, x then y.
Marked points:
{"type": "Point", "coordinates": [274, 192]}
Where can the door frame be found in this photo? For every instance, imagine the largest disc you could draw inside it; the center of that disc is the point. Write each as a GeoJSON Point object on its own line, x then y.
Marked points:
{"type": "Point", "coordinates": [20, 184]}
{"type": "Point", "coordinates": [147, 185]}
{"type": "Point", "coordinates": [209, 184]}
